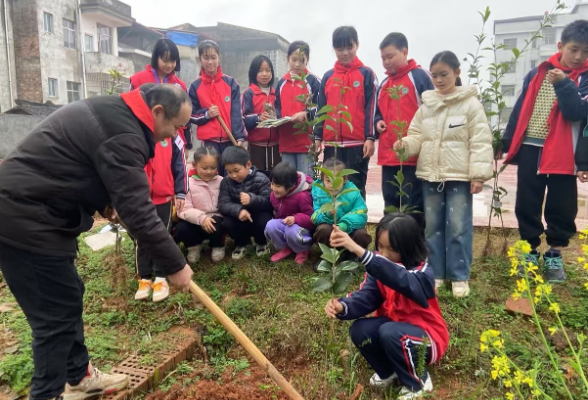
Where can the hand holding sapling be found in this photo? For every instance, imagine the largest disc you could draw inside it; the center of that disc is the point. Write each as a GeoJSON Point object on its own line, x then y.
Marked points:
{"type": "Point", "coordinates": [333, 308]}
{"type": "Point", "coordinates": [342, 239]}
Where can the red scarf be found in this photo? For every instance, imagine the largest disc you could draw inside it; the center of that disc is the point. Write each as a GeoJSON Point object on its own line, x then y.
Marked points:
{"type": "Point", "coordinates": [212, 80]}
{"type": "Point", "coordinates": [346, 70]}
{"type": "Point", "coordinates": [402, 71]}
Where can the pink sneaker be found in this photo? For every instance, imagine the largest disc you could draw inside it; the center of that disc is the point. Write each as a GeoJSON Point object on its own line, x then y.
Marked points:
{"type": "Point", "coordinates": [282, 254]}
{"type": "Point", "coordinates": [302, 257]}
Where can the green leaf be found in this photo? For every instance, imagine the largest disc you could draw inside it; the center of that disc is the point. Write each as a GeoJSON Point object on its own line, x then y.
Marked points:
{"type": "Point", "coordinates": [329, 254]}
{"type": "Point", "coordinates": [327, 172]}
{"type": "Point", "coordinates": [321, 187]}
{"type": "Point", "coordinates": [347, 191]}
{"type": "Point", "coordinates": [346, 172]}
{"type": "Point", "coordinates": [327, 207]}
{"type": "Point", "coordinates": [488, 187]}
{"type": "Point", "coordinates": [337, 183]}
{"type": "Point", "coordinates": [349, 125]}
{"type": "Point", "coordinates": [348, 266]}
{"type": "Point", "coordinates": [326, 109]}
{"type": "Point", "coordinates": [342, 282]}
{"type": "Point", "coordinates": [324, 266]}
{"type": "Point", "coordinates": [330, 128]}
{"type": "Point", "coordinates": [516, 52]}
{"type": "Point", "coordinates": [391, 209]}
{"type": "Point", "coordinates": [322, 285]}
{"type": "Point", "coordinates": [400, 176]}
{"type": "Point", "coordinates": [345, 114]}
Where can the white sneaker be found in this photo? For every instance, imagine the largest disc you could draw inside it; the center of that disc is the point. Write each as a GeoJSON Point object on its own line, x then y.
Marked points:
{"type": "Point", "coordinates": [376, 381]}
{"type": "Point", "coordinates": [96, 384]}
{"type": "Point", "coordinates": [261, 250]}
{"type": "Point", "coordinates": [460, 289]}
{"type": "Point", "coordinates": [239, 252]}
{"type": "Point", "coordinates": [218, 254]}
{"type": "Point", "coordinates": [160, 290]}
{"type": "Point", "coordinates": [194, 254]}
{"type": "Point", "coordinates": [408, 394]}
{"type": "Point", "coordinates": [439, 283]}
{"type": "Point", "coordinates": [144, 289]}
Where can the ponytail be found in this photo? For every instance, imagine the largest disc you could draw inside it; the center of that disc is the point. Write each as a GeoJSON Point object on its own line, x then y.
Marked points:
{"type": "Point", "coordinates": [458, 81]}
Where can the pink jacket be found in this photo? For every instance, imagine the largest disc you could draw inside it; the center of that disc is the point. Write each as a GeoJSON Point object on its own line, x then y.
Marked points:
{"type": "Point", "coordinates": [201, 200]}
{"type": "Point", "coordinates": [297, 203]}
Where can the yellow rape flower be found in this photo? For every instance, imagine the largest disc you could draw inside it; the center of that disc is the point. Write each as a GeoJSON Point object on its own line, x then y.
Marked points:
{"type": "Point", "coordinates": [553, 330]}
{"type": "Point", "coordinates": [585, 248]}
{"type": "Point", "coordinates": [555, 308]}
{"type": "Point", "coordinates": [582, 237]}
{"type": "Point", "coordinates": [507, 383]}
{"type": "Point", "coordinates": [518, 377]}
{"type": "Point", "coordinates": [516, 296]}
{"type": "Point", "coordinates": [522, 285]}
{"type": "Point", "coordinates": [585, 266]}
{"type": "Point", "coordinates": [483, 347]}
{"type": "Point", "coordinates": [581, 260]}
{"type": "Point", "coordinates": [586, 285]}
{"type": "Point", "coordinates": [509, 396]}
{"type": "Point", "coordinates": [524, 246]}
{"type": "Point", "coordinates": [494, 374]}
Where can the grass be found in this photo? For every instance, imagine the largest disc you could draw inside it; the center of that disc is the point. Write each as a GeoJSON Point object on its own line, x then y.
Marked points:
{"type": "Point", "coordinates": [274, 306]}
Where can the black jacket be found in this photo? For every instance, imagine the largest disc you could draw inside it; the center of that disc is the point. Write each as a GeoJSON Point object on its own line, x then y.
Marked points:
{"type": "Point", "coordinates": [257, 185]}
{"type": "Point", "coordinates": [84, 157]}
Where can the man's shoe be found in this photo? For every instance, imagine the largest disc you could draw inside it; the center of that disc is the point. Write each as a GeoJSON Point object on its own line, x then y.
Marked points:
{"type": "Point", "coordinates": [554, 270]}
{"type": "Point", "coordinates": [160, 290]}
{"type": "Point", "coordinates": [95, 384]}
{"type": "Point", "coordinates": [376, 381]}
{"type": "Point", "coordinates": [144, 289]}
{"type": "Point", "coordinates": [409, 394]}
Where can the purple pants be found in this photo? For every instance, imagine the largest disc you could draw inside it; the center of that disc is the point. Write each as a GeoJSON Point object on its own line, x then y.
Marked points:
{"type": "Point", "coordinates": [281, 235]}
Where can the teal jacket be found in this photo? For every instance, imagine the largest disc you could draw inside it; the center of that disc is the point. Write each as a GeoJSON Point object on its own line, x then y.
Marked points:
{"type": "Point", "coordinates": [350, 216]}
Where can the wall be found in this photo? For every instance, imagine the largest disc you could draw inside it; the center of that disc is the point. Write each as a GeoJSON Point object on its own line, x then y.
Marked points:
{"type": "Point", "coordinates": [5, 103]}
{"type": "Point", "coordinates": [57, 61]}
{"type": "Point", "coordinates": [190, 64]}
{"type": "Point", "coordinates": [13, 128]}
{"type": "Point", "coordinates": [89, 25]}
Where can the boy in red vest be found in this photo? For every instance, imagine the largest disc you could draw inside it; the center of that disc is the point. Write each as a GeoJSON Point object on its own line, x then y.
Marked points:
{"type": "Point", "coordinates": [400, 287]}
{"type": "Point", "coordinates": [547, 138]}
{"type": "Point", "coordinates": [414, 81]}
{"type": "Point", "coordinates": [355, 146]}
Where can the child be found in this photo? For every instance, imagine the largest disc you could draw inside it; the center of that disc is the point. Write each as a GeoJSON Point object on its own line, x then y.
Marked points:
{"type": "Point", "coordinates": [451, 136]}
{"type": "Point", "coordinates": [165, 61]}
{"type": "Point", "coordinates": [200, 219]}
{"type": "Point", "coordinates": [544, 138]}
{"type": "Point", "coordinates": [414, 81]}
{"type": "Point", "coordinates": [216, 95]}
{"type": "Point", "coordinates": [351, 214]}
{"type": "Point", "coordinates": [294, 145]}
{"type": "Point", "coordinates": [257, 99]}
{"type": "Point", "coordinates": [166, 174]}
{"type": "Point", "coordinates": [399, 286]}
{"type": "Point", "coordinates": [244, 202]}
{"type": "Point", "coordinates": [291, 229]}
{"type": "Point", "coordinates": [356, 146]}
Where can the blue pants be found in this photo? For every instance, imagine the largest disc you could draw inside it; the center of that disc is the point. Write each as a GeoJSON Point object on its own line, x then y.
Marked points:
{"type": "Point", "coordinates": [449, 228]}
{"type": "Point", "coordinates": [391, 347]}
{"type": "Point", "coordinates": [299, 161]}
{"type": "Point", "coordinates": [294, 237]}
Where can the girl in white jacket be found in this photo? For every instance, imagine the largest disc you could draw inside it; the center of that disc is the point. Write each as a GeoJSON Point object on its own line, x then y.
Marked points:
{"type": "Point", "coordinates": [451, 136]}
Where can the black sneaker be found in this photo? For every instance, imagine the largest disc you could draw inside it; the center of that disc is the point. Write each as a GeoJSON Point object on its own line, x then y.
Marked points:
{"type": "Point", "coordinates": [532, 257]}
{"type": "Point", "coordinates": [554, 270]}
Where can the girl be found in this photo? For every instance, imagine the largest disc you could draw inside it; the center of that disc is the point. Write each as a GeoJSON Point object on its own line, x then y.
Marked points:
{"type": "Point", "coordinates": [451, 136]}
{"type": "Point", "coordinates": [291, 229]}
{"type": "Point", "coordinates": [216, 95]}
{"type": "Point", "coordinates": [258, 102]}
{"type": "Point", "coordinates": [200, 219]}
{"type": "Point", "coordinates": [399, 286]}
{"type": "Point", "coordinates": [165, 62]}
{"type": "Point", "coordinates": [293, 145]}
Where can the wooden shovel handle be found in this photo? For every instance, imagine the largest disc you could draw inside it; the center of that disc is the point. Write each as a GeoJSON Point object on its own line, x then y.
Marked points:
{"type": "Point", "coordinates": [245, 342]}
{"type": "Point", "coordinates": [227, 131]}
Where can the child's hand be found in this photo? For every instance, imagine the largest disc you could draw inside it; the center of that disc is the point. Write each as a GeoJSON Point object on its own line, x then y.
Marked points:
{"type": "Point", "coordinates": [369, 148]}
{"type": "Point", "coordinates": [381, 127]}
{"type": "Point", "coordinates": [264, 116]}
{"type": "Point", "coordinates": [333, 308]}
{"type": "Point", "coordinates": [208, 225]}
{"type": "Point", "coordinates": [399, 145]}
{"type": "Point", "coordinates": [180, 205]}
{"type": "Point", "coordinates": [245, 199]}
{"type": "Point", "coordinates": [340, 238]}
{"type": "Point", "coordinates": [299, 117]}
{"type": "Point", "coordinates": [213, 111]}
{"type": "Point", "coordinates": [244, 215]}
{"type": "Point", "coordinates": [476, 187]}
{"type": "Point", "coordinates": [556, 75]}
{"type": "Point", "coordinates": [288, 221]}
{"type": "Point", "coordinates": [317, 145]}
{"type": "Point", "coordinates": [583, 176]}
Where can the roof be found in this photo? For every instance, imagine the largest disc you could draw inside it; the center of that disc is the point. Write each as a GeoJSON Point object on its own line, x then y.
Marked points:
{"type": "Point", "coordinates": [30, 108]}
{"type": "Point", "coordinates": [216, 32]}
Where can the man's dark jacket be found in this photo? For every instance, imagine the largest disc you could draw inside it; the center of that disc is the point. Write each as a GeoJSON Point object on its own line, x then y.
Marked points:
{"type": "Point", "coordinates": [84, 157]}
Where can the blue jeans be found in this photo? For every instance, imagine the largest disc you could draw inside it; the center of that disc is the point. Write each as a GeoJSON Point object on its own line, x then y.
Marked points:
{"type": "Point", "coordinates": [449, 228]}
{"type": "Point", "coordinates": [299, 161]}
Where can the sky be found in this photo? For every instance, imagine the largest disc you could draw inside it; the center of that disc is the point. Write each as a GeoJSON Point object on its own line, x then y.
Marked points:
{"type": "Point", "coordinates": [431, 26]}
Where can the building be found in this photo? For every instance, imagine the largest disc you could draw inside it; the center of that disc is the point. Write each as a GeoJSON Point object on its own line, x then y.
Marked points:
{"type": "Point", "coordinates": [515, 32]}
{"type": "Point", "coordinates": [239, 45]}
{"type": "Point", "coordinates": [62, 50]}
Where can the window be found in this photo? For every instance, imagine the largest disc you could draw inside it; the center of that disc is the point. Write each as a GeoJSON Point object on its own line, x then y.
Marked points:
{"type": "Point", "coordinates": [548, 35]}
{"type": "Point", "coordinates": [73, 92]}
{"type": "Point", "coordinates": [533, 64]}
{"type": "Point", "coordinates": [104, 39]}
{"type": "Point", "coordinates": [69, 34]}
{"type": "Point", "coordinates": [508, 90]}
{"type": "Point", "coordinates": [52, 87]}
{"type": "Point", "coordinates": [534, 44]}
{"type": "Point", "coordinates": [510, 44]}
{"type": "Point", "coordinates": [88, 43]}
{"type": "Point", "coordinates": [48, 22]}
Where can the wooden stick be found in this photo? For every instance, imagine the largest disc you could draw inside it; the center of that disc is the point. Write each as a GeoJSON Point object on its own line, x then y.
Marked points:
{"type": "Point", "coordinates": [245, 342]}
{"type": "Point", "coordinates": [227, 131]}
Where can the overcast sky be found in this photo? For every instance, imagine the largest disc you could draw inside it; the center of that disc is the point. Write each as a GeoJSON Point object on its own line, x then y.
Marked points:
{"type": "Point", "coordinates": [430, 25]}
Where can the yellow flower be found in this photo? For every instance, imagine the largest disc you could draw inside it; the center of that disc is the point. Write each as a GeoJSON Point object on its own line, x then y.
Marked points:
{"type": "Point", "coordinates": [509, 396]}
{"type": "Point", "coordinates": [533, 267]}
{"type": "Point", "coordinates": [514, 270]}
{"type": "Point", "coordinates": [555, 308]}
{"type": "Point", "coordinates": [585, 248]}
{"type": "Point", "coordinates": [582, 237]}
{"type": "Point", "coordinates": [518, 377]}
{"type": "Point", "coordinates": [586, 285]}
{"type": "Point", "coordinates": [507, 383]}
{"type": "Point", "coordinates": [498, 344]}
{"type": "Point", "coordinates": [581, 260]}
{"type": "Point", "coordinates": [522, 286]}
{"type": "Point", "coordinates": [494, 374]}
{"type": "Point", "coordinates": [528, 381]}
{"type": "Point", "coordinates": [483, 347]}
{"type": "Point", "coordinates": [524, 246]}
{"type": "Point", "coordinates": [538, 279]}
{"type": "Point", "coordinates": [585, 266]}
{"type": "Point", "coordinates": [516, 295]}
{"type": "Point", "coordinates": [584, 232]}
{"type": "Point", "coordinates": [536, 392]}
{"type": "Point", "coordinates": [553, 330]}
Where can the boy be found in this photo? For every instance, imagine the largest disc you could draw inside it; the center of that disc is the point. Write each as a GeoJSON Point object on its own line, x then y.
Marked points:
{"type": "Point", "coordinates": [414, 81]}
{"type": "Point", "coordinates": [356, 145]}
{"type": "Point", "coordinates": [244, 201]}
{"type": "Point", "coordinates": [544, 138]}
{"type": "Point", "coordinates": [351, 214]}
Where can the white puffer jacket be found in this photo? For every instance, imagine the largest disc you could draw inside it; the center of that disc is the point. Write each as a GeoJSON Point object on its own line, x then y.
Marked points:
{"type": "Point", "coordinates": [451, 136]}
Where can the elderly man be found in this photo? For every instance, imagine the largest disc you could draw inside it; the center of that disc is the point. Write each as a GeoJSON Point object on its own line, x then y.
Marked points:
{"type": "Point", "coordinates": [88, 156]}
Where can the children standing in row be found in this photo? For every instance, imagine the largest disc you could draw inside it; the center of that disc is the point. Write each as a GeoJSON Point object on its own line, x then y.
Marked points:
{"type": "Point", "coordinates": [258, 105]}
{"type": "Point", "coordinates": [294, 144]}
{"type": "Point", "coordinates": [451, 136]}
{"type": "Point", "coordinates": [413, 81]}
{"type": "Point", "coordinates": [356, 146]}
{"type": "Point", "coordinates": [215, 95]}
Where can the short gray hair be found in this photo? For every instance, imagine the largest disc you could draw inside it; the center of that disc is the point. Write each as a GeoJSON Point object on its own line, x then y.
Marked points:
{"type": "Point", "coordinates": [170, 97]}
